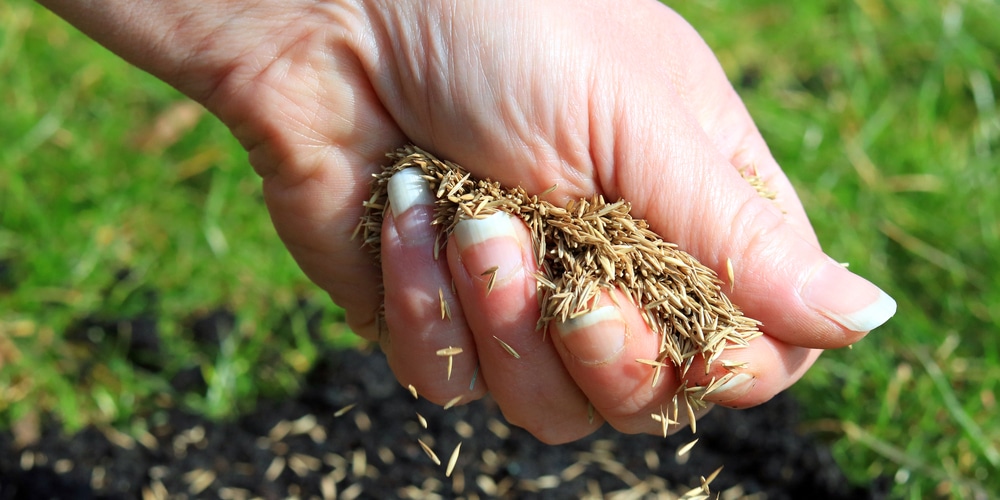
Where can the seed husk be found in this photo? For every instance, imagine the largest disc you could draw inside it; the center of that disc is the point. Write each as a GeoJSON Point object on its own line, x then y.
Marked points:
{"type": "Point", "coordinates": [342, 411]}
{"type": "Point", "coordinates": [453, 460]}
{"type": "Point", "coordinates": [510, 350]}
{"type": "Point", "coordinates": [452, 402]}
{"type": "Point", "coordinates": [492, 272]}
{"type": "Point", "coordinates": [430, 453]}
{"type": "Point", "coordinates": [683, 450]}
{"type": "Point", "coordinates": [449, 351]}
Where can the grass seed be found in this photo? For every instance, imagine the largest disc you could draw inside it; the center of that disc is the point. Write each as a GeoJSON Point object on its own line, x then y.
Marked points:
{"type": "Point", "coordinates": [344, 410]}
{"type": "Point", "coordinates": [510, 350]}
{"type": "Point", "coordinates": [453, 460]}
{"type": "Point", "coordinates": [452, 402]}
{"type": "Point", "coordinates": [430, 453]}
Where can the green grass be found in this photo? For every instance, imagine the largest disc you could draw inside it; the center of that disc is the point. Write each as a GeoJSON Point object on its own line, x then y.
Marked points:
{"type": "Point", "coordinates": [89, 189]}
{"type": "Point", "coordinates": [884, 115]}
{"type": "Point", "coordinates": [882, 112]}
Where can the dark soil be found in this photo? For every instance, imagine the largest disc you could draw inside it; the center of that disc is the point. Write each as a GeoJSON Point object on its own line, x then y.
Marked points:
{"type": "Point", "coordinates": [299, 448]}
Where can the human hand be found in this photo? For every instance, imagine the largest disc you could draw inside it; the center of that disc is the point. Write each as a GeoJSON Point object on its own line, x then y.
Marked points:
{"type": "Point", "coordinates": [601, 97]}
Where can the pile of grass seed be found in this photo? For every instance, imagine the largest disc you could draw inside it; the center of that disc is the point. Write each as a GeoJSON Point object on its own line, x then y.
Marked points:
{"type": "Point", "coordinates": [587, 248]}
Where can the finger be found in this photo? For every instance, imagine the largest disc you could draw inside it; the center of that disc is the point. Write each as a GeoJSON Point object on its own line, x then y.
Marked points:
{"type": "Point", "coordinates": [600, 350]}
{"type": "Point", "coordinates": [315, 132]}
{"type": "Point", "coordinates": [425, 321]}
{"type": "Point", "coordinates": [748, 377]}
{"type": "Point", "coordinates": [781, 278]}
{"type": "Point", "coordinates": [492, 262]}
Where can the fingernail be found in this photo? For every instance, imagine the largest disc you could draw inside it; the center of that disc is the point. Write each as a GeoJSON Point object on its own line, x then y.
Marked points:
{"type": "Point", "coordinates": [595, 337]}
{"type": "Point", "coordinates": [732, 389]}
{"type": "Point", "coordinates": [848, 299]}
{"type": "Point", "coordinates": [407, 190]}
{"type": "Point", "coordinates": [488, 243]}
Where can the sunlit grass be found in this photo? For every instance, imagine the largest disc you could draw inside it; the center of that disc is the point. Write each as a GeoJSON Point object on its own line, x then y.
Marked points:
{"type": "Point", "coordinates": [883, 113]}
{"type": "Point", "coordinates": [121, 199]}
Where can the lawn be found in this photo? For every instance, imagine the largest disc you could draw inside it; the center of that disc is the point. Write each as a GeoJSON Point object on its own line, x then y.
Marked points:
{"type": "Point", "coordinates": [127, 215]}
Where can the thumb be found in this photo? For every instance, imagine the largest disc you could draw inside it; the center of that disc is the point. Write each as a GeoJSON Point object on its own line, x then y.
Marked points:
{"type": "Point", "coordinates": [689, 192]}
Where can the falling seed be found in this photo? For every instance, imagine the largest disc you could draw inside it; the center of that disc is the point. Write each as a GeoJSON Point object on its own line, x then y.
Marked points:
{"type": "Point", "coordinates": [590, 413]}
{"type": "Point", "coordinates": [683, 450]}
{"type": "Point", "coordinates": [732, 277]}
{"type": "Point", "coordinates": [711, 477]}
{"type": "Point", "coordinates": [452, 402]}
{"type": "Point", "coordinates": [493, 276]}
{"type": "Point", "coordinates": [422, 420]}
{"type": "Point", "coordinates": [453, 460]}
{"type": "Point", "coordinates": [429, 452]}
{"type": "Point", "coordinates": [510, 350]}
{"type": "Point", "coordinates": [413, 391]}
{"type": "Point", "coordinates": [844, 264]}
{"type": "Point", "coordinates": [342, 411]}
{"type": "Point", "coordinates": [451, 363]}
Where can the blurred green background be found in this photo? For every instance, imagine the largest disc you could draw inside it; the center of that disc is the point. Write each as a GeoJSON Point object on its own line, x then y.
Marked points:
{"type": "Point", "coordinates": [126, 212]}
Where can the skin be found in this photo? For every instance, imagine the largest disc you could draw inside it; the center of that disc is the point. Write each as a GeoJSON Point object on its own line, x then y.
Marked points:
{"type": "Point", "coordinates": [522, 92]}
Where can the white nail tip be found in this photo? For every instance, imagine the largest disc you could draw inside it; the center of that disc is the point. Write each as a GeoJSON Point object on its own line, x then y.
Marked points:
{"type": "Point", "coordinates": [601, 314]}
{"type": "Point", "coordinates": [733, 388]}
{"type": "Point", "coordinates": [869, 318]}
{"type": "Point", "coordinates": [406, 189]}
{"type": "Point", "coordinates": [470, 232]}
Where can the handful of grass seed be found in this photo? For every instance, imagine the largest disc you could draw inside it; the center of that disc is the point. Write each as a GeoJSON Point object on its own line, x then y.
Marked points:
{"type": "Point", "coordinates": [583, 249]}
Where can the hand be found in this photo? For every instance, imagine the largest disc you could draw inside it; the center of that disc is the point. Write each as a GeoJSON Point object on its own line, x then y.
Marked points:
{"type": "Point", "coordinates": [623, 99]}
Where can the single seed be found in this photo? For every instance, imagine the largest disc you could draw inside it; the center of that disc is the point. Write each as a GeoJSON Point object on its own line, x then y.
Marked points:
{"type": "Point", "coordinates": [445, 308]}
{"type": "Point", "coordinates": [711, 477]}
{"type": "Point", "coordinates": [449, 351]}
{"type": "Point", "coordinates": [342, 411]}
{"type": "Point", "coordinates": [422, 420]}
{"type": "Point", "coordinates": [452, 402]}
{"type": "Point", "coordinates": [429, 452]}
{"type": "Point", "coordinates": [590, 413]}
{"type": "Point", "coordinates": [510, 350]}
{"type": "Point", "coordinates": [453, 460]}
{"type": "Point", "coordinates": [413, 390]}
{"type": "Point", "coordinates": [729, 271]}
{"type": "Point", "coordinates": [683, 450]}
{"type": "Point", "coordinates": [549, 190]}
{"type": "Point", "coordinates": [493, 277]}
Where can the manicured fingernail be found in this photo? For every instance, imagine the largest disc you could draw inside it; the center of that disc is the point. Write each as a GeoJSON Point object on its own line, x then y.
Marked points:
{"type": "Point", "coordinates": [850, 300]}
{"type": "Point", "coordinates": [596, 337]}
{"type": "Point", "coordinates": [409, 190]}
{"type": "Point", "coordinates": [490, 249]}
{"type": "Point", "coordinates": [734, 388]}
{"type": "Point", "coordinates": [406, 189]}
